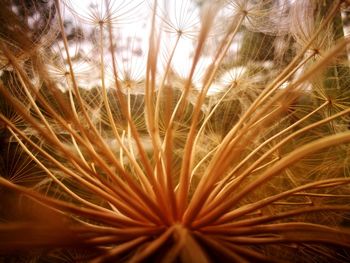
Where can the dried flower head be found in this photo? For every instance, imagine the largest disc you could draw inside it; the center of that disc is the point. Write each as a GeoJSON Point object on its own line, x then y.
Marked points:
{"type": "Point", "coordinates": [174, 131]}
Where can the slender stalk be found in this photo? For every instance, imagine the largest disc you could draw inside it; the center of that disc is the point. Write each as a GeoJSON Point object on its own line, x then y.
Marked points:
{"type": "Point", "coordinates": [116, 252]}
{"type": "Point", "coordinates": [126, 193]}
{"type": "Point", "coordinates": [52, 203]}
{"type": "Point", "coordinates": [222, 157]}
{"type": "Point", "coordinates": [257, 149]}
{"type": "Point", "coordinates": [186, 166]}
{"type": "Point", "coordinates": [254, 165]}
{"type": "Point", "coordinates": [153, 246]}
{"type": "Point", "coordinates": [291, 158]}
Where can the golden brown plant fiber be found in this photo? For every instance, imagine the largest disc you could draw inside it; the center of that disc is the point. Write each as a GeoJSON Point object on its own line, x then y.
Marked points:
{"type": "Point", "coordinates": [174, 131]}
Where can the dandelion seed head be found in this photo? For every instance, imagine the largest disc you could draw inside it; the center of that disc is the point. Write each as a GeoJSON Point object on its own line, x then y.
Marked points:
{"type": "Point", "coordinates": [174, 131]}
